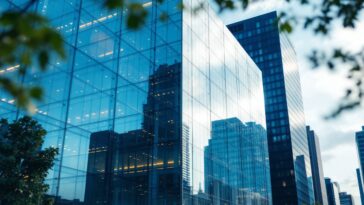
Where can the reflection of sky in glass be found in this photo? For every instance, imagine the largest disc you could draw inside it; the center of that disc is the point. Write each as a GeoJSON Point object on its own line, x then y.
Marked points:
{"type": "Point", "coordinates": [112, 80]}
{"type": "Point", "coordinates": [219, 82]}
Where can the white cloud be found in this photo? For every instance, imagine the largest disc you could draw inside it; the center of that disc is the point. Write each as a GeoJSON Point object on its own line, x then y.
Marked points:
{"type": "Point", "coordinates": [341, 167]}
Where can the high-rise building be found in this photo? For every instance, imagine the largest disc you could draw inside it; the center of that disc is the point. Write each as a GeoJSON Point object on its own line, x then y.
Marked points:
{"type": "Point", "coordinates": [120, 166]}
{"type": "Point", "coordinates": [333, 190]}
{"type": "Point", "coordinates": [346, 199]}
{"type": "Point", "coordinates": [316, 167]}
{"type": "Point", "coordinates": [360, 185]}
{"type": "Point", "coordinates": [290, 165]}
{"type": "Point", "coordinates": [131, 111]}
{"type": "Point", "coordinates": [240, 150]}
{"type": "Point", "coordinates": [100, 167]}
{"type": "Point", "coordinates": [359, 138]}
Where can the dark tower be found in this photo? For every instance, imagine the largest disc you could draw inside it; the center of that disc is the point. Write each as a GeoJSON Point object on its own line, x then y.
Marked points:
{"type": "Point", "coordinates": [316, 167]}
{"type": "Point", "coordinates": [360, 184]}
{"type": "Point", "coordinates": [287, 140]}
{"type": "Point", "coordinates": [141, 166]}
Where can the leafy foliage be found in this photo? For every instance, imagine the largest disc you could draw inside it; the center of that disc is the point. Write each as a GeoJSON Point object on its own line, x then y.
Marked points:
{"type": "Point", "coordinates": [26, 39]}
{"type": "Point", "coordinates": [355, 61]}
{"type": "Point", "coordinates": [23, 165]}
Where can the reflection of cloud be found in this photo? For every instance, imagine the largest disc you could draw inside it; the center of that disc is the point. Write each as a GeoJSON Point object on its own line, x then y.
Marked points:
{"type": "Point", "coordinates": [215, 54]}
{"type": "Point", "coordinates": [214, 61]}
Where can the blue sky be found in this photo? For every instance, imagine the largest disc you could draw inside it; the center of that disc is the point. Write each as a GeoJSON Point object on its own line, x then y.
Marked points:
{"type": "Point", "coordinates": [322, 90]}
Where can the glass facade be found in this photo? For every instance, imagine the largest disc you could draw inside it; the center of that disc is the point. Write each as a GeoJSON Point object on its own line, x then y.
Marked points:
{"type": "Point", "coordinates": [287, 139]}
{"type": "Point", "coordinates": [346, 199]}
{"type": "Point", "coordinates": [316, 167]}
{"type": "Point", "coordinates": [360, 185]}
{"type": "Point", "coordinates": [134, 113]}
{"type": "Point", "coordinates": [333, 191]}
{"type": "Point", "coordinates": [244, 149]}
{"type": "Point", "coordinates": [359, 138]}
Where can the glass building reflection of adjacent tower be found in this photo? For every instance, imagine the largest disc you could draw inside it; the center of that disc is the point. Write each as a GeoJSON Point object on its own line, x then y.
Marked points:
{"type": "Point", "coordinates": [132, 112]}
{"type": "Point", "coordinates": [237, 164]}
{"type": "Point", "coordinates": [137, 167]}
{"type": "Point", "coordinates": [289, 157]}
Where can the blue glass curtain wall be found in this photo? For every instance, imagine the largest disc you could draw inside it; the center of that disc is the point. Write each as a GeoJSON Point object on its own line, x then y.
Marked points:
{"type": "Point", "coordinates": [172, 113]}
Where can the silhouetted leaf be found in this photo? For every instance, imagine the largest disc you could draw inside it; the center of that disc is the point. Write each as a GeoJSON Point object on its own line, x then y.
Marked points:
{"type": "Point", "coordinates": [331, 65]}
{"type": "Point", "coordinates": [43, 59]}
{"type": "Point", "coordinates": [136, 16]}
{"type": "Point", "coordinates": [164, 17]}
{"type": "Point", "coordinates": [25, 36]}
{"type": "Point", "coordinates": [113, 4]}
{"type": "Point", "coordinates": [343, 107]}
{"type": "Point", "coordinates": [36, 93]}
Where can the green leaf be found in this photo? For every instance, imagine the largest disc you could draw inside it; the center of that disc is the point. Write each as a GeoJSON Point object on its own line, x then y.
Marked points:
{"type": "Point", "coordinates": [25, 36]}
{"type": "Point", "coordinates": [136, 16]}
{"type": "Point", "coordinates": [36, 93]}
{"type": "Point", "coordinates": [164, 17]}
{"type": "Point", "coordinates": [43, 59]}
{"type": "Point", "coordinates": [286, 27]}
{"type": "Point", "coordinates": [26, 59]}
{"type": "Point", "coordinates": [113, 4]}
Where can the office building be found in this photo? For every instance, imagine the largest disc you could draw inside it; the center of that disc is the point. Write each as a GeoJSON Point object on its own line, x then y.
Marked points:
{"type": "Point", "coordinates": [359, 138]}
{"type": "Point", "coordinates": [360, 185]}
{"type": "Point", "coordinates": [316, 167]}
{"type": "Point", "coordinates": [346, 199]}
{"type": "Point", "coordinates": [131, 111]}
{"type": "Point", "coordinates": [290, 165]}
{"type": "Point", "coordinates": [333, 190]}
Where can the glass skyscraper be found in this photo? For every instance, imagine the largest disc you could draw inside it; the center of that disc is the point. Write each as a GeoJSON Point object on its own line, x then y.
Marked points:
{"type": "Point", "coordinates": [359, 139]}
{"type": "Point", "coordinates": [333, 190]}
{"type": "Point", "coordinates": [346, 199]}
{"type": "Point", "coordinates": [360, 185]}
{"type": "Point", "coordinates": [287, 139]}
{"type": "Point", "coordinates": [316, 167]}
{"type": "Point", "coordinates": [132, 112]}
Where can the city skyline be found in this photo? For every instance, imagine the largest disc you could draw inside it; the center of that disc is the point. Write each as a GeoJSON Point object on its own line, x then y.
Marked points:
{"type": "Point", "coordinates": [149, 114]}
{"type": "Point", "coordinates": [132, 111]}
{"type": "Point", "coordinates": [320, 95]}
